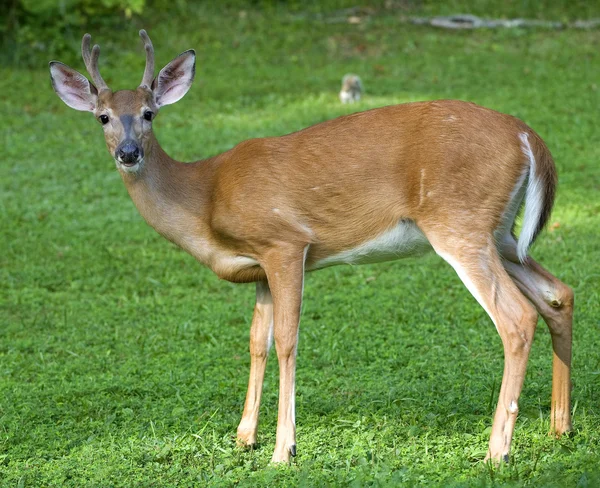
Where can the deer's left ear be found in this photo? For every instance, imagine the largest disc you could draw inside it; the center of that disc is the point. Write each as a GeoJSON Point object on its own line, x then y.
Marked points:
{"type": "Point", "coordinates": [175, 79]}
{"type": "Point", "coordinates": [73, 88]}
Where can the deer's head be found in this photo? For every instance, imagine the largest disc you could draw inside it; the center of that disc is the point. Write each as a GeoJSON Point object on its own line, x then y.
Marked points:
{"type": "Point", "coordinates": [126, 116]}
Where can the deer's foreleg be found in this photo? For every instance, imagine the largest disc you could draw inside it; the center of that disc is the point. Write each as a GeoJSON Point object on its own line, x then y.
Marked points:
{"type": "Point", "coordinates": [261, 338]}
{"type": "Point", "coordinates": [285, 272]}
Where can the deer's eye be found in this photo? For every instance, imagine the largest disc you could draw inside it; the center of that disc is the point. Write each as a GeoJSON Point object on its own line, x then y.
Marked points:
{"type": "Point", "coordinates": [148, 115]}
{"type": "Point", "coordinates": [103, 119]}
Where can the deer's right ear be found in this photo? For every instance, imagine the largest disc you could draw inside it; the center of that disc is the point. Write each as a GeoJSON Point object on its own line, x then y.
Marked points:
{"type": "Point", "coordinates": [73, 88]}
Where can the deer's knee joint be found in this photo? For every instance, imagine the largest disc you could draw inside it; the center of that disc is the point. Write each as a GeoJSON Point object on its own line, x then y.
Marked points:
{"type": "Point", "coordinates": [555, 303]}
{"type": "Point", "coordinates": [559, 319]}
{"type": "Point", "coordinates": [260, 354]}
{"type": "Point", "coordinates": [561, 297]}
{"type": "Point", "coordinates": [286, 352]}
{"type": "Point", "coordinates": [259, 349]}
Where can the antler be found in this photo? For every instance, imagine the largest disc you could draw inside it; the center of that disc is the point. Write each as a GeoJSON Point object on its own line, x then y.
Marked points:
{"type": "Point", "coordinates": [149, 70]}
{"type": "Point", "coordinates": [90, 58]}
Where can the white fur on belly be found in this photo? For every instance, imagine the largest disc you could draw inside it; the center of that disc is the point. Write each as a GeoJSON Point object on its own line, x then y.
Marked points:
{"type": "Point", "coordinates": [402, 241]}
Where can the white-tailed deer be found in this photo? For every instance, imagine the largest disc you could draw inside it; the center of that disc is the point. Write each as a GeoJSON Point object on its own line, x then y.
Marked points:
{"type": "Point", "coordinates": [373, 186]}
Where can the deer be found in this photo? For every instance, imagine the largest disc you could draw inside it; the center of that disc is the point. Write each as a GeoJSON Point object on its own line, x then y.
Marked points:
{"type": "Point", "coordinates": [444, 176]}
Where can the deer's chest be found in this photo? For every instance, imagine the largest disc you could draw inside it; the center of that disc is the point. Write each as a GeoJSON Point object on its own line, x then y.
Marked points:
{"type": "Point", "coordinates": [225, 264]}
{"type": "Point", "coordinates": [187, 232]}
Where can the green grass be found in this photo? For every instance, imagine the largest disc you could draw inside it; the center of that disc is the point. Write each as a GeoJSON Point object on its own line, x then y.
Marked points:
{"type": "Point", "coordinates": [124, 363]}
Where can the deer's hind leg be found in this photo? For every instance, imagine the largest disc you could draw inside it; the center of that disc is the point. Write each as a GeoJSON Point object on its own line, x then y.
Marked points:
{"type": "Point", "coordinates": [554, 301]}
{"type": "Point", "coordinates": [479, 266]}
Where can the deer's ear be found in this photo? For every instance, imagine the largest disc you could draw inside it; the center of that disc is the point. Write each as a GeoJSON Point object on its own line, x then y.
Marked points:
{"type": "Point", "coordinates": [175, 79]}
{"type": "Point", "coordinates": [73, 88]}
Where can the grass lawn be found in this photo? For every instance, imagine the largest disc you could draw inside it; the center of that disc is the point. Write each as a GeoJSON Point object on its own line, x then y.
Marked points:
{"type": "Point", "coordinates": [124, 363]}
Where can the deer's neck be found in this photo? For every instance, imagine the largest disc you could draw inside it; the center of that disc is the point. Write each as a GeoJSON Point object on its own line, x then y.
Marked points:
{"type": "Point", "coordinates": [173, 198]}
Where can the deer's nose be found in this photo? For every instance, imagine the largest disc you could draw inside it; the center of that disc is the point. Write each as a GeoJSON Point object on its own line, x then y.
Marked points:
{"type": "Point", "coordinates": [128, 153]}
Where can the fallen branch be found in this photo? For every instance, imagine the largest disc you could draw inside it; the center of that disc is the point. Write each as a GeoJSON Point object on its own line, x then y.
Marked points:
{"type": "Point", "coordinates": [467, 21]}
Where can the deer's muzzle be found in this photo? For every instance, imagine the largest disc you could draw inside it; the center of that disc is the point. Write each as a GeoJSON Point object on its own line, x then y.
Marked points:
{"type": "Point", "coordinates": [129, 153]}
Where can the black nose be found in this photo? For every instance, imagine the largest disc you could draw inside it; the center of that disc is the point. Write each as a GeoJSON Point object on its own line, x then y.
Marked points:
{"type": "Point", "coordinates": [128, 152]}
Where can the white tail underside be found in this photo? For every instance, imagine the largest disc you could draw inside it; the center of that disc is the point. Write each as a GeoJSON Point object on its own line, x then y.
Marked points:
{"type": "Point", "coordinates": [534, 202]}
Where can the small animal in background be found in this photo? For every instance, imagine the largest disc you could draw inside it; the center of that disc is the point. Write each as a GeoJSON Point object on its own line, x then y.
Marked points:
{"type": "Point", "coordinates": [352, 89]}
